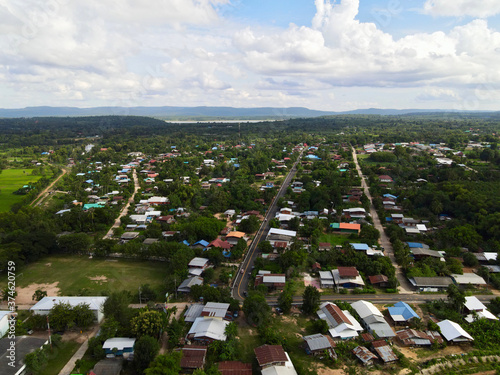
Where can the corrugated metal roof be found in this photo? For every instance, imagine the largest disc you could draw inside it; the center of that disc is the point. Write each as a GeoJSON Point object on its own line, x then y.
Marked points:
{"type": "Point", "coordinates": [235, 368]}
{"type": "Point", "coordinates": [193, 357]}
{"type": "Point", "coordinates": [119, 343]}
{"type": "Point", "coordinates": [317, 342]}
{"type": "Point", "coordinates": [198, 262]}
{"type": "Point", "coordinates": [215, 309]}
{"type": "Point", "coordinates": [193, 312]}
{"type": "Point", "coordinates": [363, 354]}
{"type": "Point", "coordinates": [267, 354]}
{"type": "Point", "coordinates": [384, 351]}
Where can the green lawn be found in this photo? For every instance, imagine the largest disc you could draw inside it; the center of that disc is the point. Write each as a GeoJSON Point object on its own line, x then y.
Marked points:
{"type": "Point", "coordinates": [10, 181]}
{"type": "Point", "coordinates": [59, 358]}
{"type": "Point", "coordinates": [74, 273]}
{"type": "Point", "coordinates": [337, 239]}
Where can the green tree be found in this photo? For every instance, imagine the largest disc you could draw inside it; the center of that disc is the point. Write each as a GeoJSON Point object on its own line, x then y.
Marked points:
{"type": "Point", "coordinates": [117, 307]}
{"type": "Point", "coordinates": [456, 298]}
{"type": "Point", "coordinates": [61, 316]}
{"type": "Point", "coordinates": [39, 294]}
{"type": "Point", "coordinates": [285, 299]}
{"type": "Point", "coordinates": [310, 300]}
{"type": "Point", "coordinates": [249, 225]}
{"type": "Point", "coordinates": [256, 309]}
{"type": "Point", "coordinates": [148, 322]}
{"type": "Point", "coordinates": [145, 350]}
{"type": "Point", "coordinates": [76, 243]}
{"type": "Point", "coordinates": [165, 364]}
{"type": "Point", "coordinates": [84, 316]}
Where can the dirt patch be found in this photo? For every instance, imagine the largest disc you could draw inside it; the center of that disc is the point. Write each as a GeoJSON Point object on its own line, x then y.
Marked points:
{"type": "Point", "coordinates": [99, 279]}
{"type": "Point", "coordinates": [329, 371]}
{"type": "Point", "coordinates": [48, 264]}
{"type": "Point", "coordinates": [25, 295]}
{"type": "Point", "coordinates": [409, 353]}
{"type": "Point", "coordinates": [450, 350]}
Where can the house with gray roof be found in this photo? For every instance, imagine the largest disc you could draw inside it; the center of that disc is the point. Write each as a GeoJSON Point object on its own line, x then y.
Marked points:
{"type": "Point", "coordinates": [372, 319]}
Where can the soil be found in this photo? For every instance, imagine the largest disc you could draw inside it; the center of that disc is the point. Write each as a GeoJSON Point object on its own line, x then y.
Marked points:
{"type": "Point", "coordinates": [408, 352]}
{"type": "Point", "coordinates": [99, 279]}
{"type": "Point", "coordinates": [24, 295]}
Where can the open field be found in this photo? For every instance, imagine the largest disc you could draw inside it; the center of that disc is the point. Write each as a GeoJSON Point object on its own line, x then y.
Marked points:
{"type": "Point", "coordinates": [71, 274]}
{"type": "Point", "coordinates": [10, 181]}
{"type": "Point", "coordinates": [337, 239]}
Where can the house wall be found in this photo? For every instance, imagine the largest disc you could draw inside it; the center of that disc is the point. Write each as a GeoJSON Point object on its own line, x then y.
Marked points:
{"type": "Point", "coordinates": [4, 325]}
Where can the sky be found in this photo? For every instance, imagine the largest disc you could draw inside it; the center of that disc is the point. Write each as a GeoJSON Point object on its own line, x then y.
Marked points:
{"type": "Point", "coordinates": [321, 54]}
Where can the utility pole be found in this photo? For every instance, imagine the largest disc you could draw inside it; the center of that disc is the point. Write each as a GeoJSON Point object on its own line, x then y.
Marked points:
{"type": "Point", "coordinates": [48, 327]}
{"type": "Point", "coordinates": [140, 301]}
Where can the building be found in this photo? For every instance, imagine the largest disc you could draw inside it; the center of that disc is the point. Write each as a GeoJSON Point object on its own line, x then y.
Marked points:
{"type": "Point", "coordinates": [412, 337]}
{"type": "Point", "coordinates": [347, 277]}
{"type": "Point", "coordinates": [346, 227]}
{"type": "Point", "coordinates": [381, 281]}
{"type": "Point", "coordinates": [364, 355]}
{"type": "Point", "coordinates": [193, 357]}
{"type": "Point", "coordinates": [384, 351]}
{"type": "Point", "coordinates": [44, 306]}
{"type": "Point", "coordinates": [234, 237]}
{"type": "Point", "coordinates": [317, 345]}
{"type": "Point", "coordinates": [326, 279]}
{"type": "Point", "coordinates": [273, 360]}
{"type": "Point", "coordinates": [271, 280]}
{"type": "Point", "coordinates": [453, 332]}
{"type": "Point", "coordinates": [124, 346]}
{"type": "Point", "coordinates": [207, 330]}
{"type": "Point", "coordinates": [342, 325]}
{"type": "Point", "coordinates": [468, 279]}
{"type": "Point", "coordinates": [235, 368]}
{"type": "Point", "coordinates": [477, 310]}
{"type": "Point", "coordinates": [186, 285]}
{"type": "Point", "coordinates": [4, 322]}
{"type": "Point", "coordinates": [197, 266]}
{"type": "Point", "coordinates": [372, 319]}
{"type": "Point", "coordinates": [431, 284]}
{"type": "Point", "coordinates": [402, 313]}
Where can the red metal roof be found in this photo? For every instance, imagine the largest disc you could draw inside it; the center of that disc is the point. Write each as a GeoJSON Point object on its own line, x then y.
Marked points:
{"type": "Point", "coordinates": [348, 272]}
{"type": "Point", "coordinates": [378, 279]}
{"type": "Point", "coordinates": [270, 354]}
{"type": "Point", "coordinates": [193, 357]}
{"type": "Point", "coordinates": [337, 314]}
{"type": "Point", "coordinates": [235, 368]}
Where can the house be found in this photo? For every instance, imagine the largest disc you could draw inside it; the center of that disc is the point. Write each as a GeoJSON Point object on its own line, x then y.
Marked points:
{"type": "Point", "coordinates": [5, 316]}
{"type": "Point", "coordinates": [118, 346]}
{"type": "Point", "coordinates": [421, 253]}
{"type": "Point", "coordinates": [169, 219]}
{"type": "Point", "coordinates": [342, 324]}
{"type": "Point", "coordinates": [372, 319]}
{"type": "Point", "coordinates": [44, 306]}
{"type": "Point", "coordinates": [402, 313]}
{"type": "Point", "coordinates": [233, 237]}
{"type": "Point", "coordinates": [346, 227]}
{"type": "Point", "coordinates": [412, 337]}
{"type": "Point", "coordinates": [347, 277]}
{"type": "Point", "coordinates": [468, 279]}
{"type": "Point", "coordinates": [273, 360]}
{"type": "Point", "coordinates": [215, 310]}
{"type": "Point", "coordinates": [453, 332]}
{"type": "Point", "coordinates": [431, 284]}
{"type": "Point", "coordinates": [235, 368]}
{"type": "Point", "coordinates": [324, 246]}
{"type": "Point", "coordinates": [326, 279]}
{"type": "Point", "coordinates": [201, 244]}
{"type": "Point", "coordinates": [381, 281]}
{"type": "Point", "coordinates": [271, 280]}
{"type": "Point", "coordinates": [364, 355]}
{"type": "Point", "coordinates": [207, 330]}
{"type": "Point", "coordinates": [197, 266]}
{"type": "Point", "coordinates": [384, 351]}
{"type": "Point", "coordinates": [317, 345]}
{"type": "Point", "coordinates": [220, 244]}
{"type": "Point", "coordinates": [477, 310]}
{"type": "Point", "coordinates": [385, 178]}
{"type": "Point", "coordinates": [193, 357]}
{"type": "Point", "coordinates": [275, 234]}
{"type": "Point", "coordinates": [186, 285]}
{"type": "Point", "coordinates": [354, 213]}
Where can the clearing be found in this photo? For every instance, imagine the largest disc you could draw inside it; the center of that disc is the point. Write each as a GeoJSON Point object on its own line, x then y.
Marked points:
{"type": "Point", "coordinates": [71, 274]}
{"type": "Point", "coordinates": [10, 181]}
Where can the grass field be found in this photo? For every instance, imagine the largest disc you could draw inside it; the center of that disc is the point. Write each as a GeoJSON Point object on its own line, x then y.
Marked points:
{"type": "Point", "coordinates": [337, 239]}
{"type": "Point", "coordinates": [10, 181]}
{"type": "Point", "coordinates": [59, 358]}
{"type": "Point", "coordinates": [75, 273]}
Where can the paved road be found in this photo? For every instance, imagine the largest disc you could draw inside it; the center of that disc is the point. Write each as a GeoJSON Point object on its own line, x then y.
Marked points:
{"type": "Point", "coordinates": [240, 284]}
{"type": "Point", "coordinates": [68, 368]}
{"type": "Point", "coordinates": [404, 285]}
{"type": "Point", "coordinates": [124, 210]}
{"type": "Point", "coordinates": [379, 298]}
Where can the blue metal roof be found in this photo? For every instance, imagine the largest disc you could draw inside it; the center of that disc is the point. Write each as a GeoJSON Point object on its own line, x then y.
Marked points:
{"type": "Point", "coordinates": [360, 246]}
{"type": "Point", "coordinates": [403, 309]}
{"type": "Point", "coordinates": [414, 245]}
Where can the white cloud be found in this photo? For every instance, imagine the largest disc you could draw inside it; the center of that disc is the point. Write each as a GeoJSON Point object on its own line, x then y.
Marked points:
{"type": "Point", "coordinates": [438, 94]}
{"type": "Point", "coordinates": [460, 8]}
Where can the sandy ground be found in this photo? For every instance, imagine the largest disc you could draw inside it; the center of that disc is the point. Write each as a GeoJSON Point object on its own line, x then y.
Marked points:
{"type": "Point", "coordinates": [99, 279]}
{"type": "Point", "coordinates": [309, 280]}
{"type": "Point", "coordinates": [25, 295]}
{"type": "Point", "coordinates": [409, 353]}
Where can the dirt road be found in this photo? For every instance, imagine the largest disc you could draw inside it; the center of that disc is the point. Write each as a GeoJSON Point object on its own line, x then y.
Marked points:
{"type": "Point", "coordinates": [43, 195]}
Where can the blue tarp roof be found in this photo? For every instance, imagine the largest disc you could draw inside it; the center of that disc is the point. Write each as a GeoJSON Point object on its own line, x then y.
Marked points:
{"type": "Point", "coordinates": [186, 243]}
{"type": "Point", "coordinates": [202, 243]}
{"type": "Point", "coordinates": [415, 245]}
{"type": "Point", "coordinates": [402, 308]}
{"type": "Point", "coordinates": [360, 246]}
{"type": "Point", "coordinates": [390, 196]}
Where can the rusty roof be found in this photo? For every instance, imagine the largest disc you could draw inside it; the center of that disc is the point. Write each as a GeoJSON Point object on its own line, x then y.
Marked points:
{"type": "Point", "coordinates": [378, 279]}
{"type": "Point", "coordinates": [193, 357]}
{"type": "Point", "coordinates": [384, 351]}
{"type": "Point", "coordinates": [363, 354]}
{"type": "Point", "coordinates": [235, 368]}
{"type": "Point", "coordinates": [348, 272]}
{"type": "Point", "coordinates": [337, 314]}
{"type": "Point", "coordinates": [368, 337]}
{"type": "Point", "coordinates": [270, 354]}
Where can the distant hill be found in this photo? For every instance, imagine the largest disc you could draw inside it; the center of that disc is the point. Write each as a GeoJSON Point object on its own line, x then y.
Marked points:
{"type": "Point", "coordinates": [202, 113]}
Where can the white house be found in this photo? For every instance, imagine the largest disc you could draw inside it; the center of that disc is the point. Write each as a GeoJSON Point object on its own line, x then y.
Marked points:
{"type": "Point", "coordinates": [341, 323]}
{"type": "Point", "coordinates": [453, 332]}
{"type": "Point", "coordinates": [477, 310]}
{"type": "Point", "coordinates": [373, 319]}
{"type": "Point", "coordinates": [44, 306]}
{"type": "Point", "coordinates": [4, 322]}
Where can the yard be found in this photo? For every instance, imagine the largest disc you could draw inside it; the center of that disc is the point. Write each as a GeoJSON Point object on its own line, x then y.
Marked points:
{"type": "Point", "coordinates": [10, 181]}
{"type": "Point", "coordinates": [70, 275]}
{"type": "Point", "coordinates": [337, 239]}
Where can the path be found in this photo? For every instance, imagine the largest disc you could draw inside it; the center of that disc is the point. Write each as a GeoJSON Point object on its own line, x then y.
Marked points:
{"type": "Point", "coordinates": [45, 191]}
{"type": "Point", "coordinates": [68, 368]}
{"type": "Point", "coordinates": [124, 210]}
{"type": "Point", "coordinates": [404, 284]}
{"type": "Point", "coordinates": [240, 284]}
